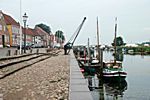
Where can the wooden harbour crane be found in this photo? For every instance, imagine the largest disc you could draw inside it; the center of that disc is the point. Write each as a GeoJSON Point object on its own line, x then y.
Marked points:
{"type": "Point", "coordinates": [70, 43]}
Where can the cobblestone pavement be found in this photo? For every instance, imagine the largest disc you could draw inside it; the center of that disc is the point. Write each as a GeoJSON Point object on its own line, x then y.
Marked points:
{"type": "Point", "coordinates": [46, 80]}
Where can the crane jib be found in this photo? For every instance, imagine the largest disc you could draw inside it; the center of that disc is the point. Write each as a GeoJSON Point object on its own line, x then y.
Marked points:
{"type": "Point", "coordinates": [70, 43]}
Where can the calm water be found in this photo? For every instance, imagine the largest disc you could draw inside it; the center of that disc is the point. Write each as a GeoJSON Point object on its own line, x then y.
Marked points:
{"type": "Point", "coordinates": [137, 84]}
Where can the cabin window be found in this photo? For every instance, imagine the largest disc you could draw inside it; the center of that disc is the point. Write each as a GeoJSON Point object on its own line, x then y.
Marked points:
{"type": "Point", "coordinates": [109, 65]}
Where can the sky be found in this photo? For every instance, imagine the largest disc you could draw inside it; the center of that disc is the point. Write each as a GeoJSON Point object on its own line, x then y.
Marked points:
{"type": "Point", "coordinates": [66, 15]}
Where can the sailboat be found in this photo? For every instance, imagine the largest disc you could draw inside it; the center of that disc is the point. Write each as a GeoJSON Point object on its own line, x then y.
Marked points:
{"type": "Point", "coordinates": [85, 62]}
{"type": "Point", "coordinates": [113, 70]}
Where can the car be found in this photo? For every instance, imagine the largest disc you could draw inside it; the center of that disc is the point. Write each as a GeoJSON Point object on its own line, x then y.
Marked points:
{"type": "Point", "coordinates": [7, 46]}
{"type": "Point", "coordinates": [27, 47]}
{"type": "Point", "coordinates": [1, 46]}
{"type": "Point", "coordinates": [36, 46]}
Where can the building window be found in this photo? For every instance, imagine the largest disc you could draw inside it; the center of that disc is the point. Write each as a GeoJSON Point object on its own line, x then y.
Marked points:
{"type": "Point", "coordinates": [15, 29]}
{"type": "Point", "coordinates": [4, 28]}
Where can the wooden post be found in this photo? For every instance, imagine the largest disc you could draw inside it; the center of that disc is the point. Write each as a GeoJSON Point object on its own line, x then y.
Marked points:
{"type": "Point", "coordinates": [9, 53]}
{"type": "Point", "coordinates": [88, 49]}
{"type": "Point", "coordinates": [84, 55]}
{"type": "Point", "coordinates": [21, 51]}
{"type": "Point", "coordinates": [101, 63]}
{"type": "Point", "coordinates": [16, 52]}
{"type": "Point", "coordinates": [101, 86]}
{"type": "Point", "coordinates": [101, 90]}
{"type": "Point", "coordinates": [37, 51]}
{"type": "Point", "coordinates": [30, 50]}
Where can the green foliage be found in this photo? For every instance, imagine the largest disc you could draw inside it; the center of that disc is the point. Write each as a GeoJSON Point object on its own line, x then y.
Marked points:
{"type": "Point", "coordinates": [119, 41]}
{"type": "Point", "coordinates": [60, 35]}
{"type": "Point", "coordinates": [44, 27]}
{"type": "Point", "coordinates": [119, 57]}
{"type": "Point", "coordinates": [138, 49]}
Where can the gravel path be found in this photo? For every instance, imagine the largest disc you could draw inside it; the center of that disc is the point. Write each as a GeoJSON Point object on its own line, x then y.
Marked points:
{"type": "Point", "coordinates": [46, 80]}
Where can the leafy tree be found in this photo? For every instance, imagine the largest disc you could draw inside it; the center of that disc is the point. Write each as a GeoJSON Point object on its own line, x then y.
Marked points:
{"type": "Point", "coordinates": [60, 35]}
{"type": "Point", "coordinates": [44, 27]}
{"type": "Point", "coordinates": [119, 41]}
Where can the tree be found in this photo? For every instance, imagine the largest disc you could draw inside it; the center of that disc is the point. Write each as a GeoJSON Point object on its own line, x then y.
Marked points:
{"type": "Point", "coordinates": [60, 35]}
{"type": "Point", "coordinates": [44, 27]}
{"type": "Point", "coordinates": [119, 41]}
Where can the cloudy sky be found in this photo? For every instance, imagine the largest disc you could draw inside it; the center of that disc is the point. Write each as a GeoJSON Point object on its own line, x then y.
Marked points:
{"type": "Point", "coordinates": [66, 15]}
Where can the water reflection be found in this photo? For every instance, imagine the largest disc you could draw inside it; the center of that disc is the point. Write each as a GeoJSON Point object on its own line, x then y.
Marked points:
{"type": "Point", "coordinates": [101, 90]}
{"type": "Point", "coordinates": [138, 70]}
{"type": "Point", "coordinates": [107, 90]}
{"type": "Point", "coordinates": [115, 90]}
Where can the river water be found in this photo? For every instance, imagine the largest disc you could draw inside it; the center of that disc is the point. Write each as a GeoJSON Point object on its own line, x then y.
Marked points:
{"type": "Point", "coordinates": [137, 83]}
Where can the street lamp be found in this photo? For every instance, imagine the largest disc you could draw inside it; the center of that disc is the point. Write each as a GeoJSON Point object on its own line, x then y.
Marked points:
{"type": "Point", "coordinates": [25, 20]}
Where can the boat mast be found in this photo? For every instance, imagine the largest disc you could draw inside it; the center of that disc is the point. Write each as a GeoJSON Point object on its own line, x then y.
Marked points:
{"type": "Point", "coordinates": [115, 41]}
{"type": "Point", "coordinates": [98, 56]}
{"type": "Point", "coordinates": [88, 52]}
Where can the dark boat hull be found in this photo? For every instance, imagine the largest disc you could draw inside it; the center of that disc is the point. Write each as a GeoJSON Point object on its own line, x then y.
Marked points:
{"type": "Point", "coordinates": [114, 79]}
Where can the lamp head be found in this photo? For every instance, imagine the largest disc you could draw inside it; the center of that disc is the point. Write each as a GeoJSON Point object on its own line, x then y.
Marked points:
{"type": "Point", "coordinates": [25, 17]}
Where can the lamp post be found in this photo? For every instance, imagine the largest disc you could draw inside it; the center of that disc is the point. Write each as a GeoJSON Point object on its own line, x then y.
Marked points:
{"type": "Point", "coordinates": [20, 30]}
{"type": "Point", "coordinates": [25, 20]}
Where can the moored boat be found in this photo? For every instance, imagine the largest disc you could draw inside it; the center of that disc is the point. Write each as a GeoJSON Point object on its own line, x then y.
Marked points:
{"type": "Point", "coordinates": [113, 71]}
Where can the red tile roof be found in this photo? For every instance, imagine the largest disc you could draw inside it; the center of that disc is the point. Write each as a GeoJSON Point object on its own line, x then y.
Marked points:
{"type": "Point", "coordinates": [9, 20]}
{"type": "Point", "coordinates": [29, 31]}
{"type": "Point", "coordinates": [40, 31]}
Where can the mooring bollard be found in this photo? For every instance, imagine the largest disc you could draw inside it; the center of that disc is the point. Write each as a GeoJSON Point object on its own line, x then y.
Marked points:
{"type": "Point", "coordinates": [16, 52]}
{"type": "Point", "coordinates": [37, 51]}
{"type": "Point", "coordinates": [30, 50]}
{"type": "Point", "coordinates": [22, 51]}
{"type": "Point", "coordinates": [46, 50]}
{"type": "Point", "coordinates": [8, 53]}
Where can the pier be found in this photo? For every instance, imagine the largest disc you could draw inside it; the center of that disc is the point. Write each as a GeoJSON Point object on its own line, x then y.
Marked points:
{"type": "Point", "coordinates": [78, 85]}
